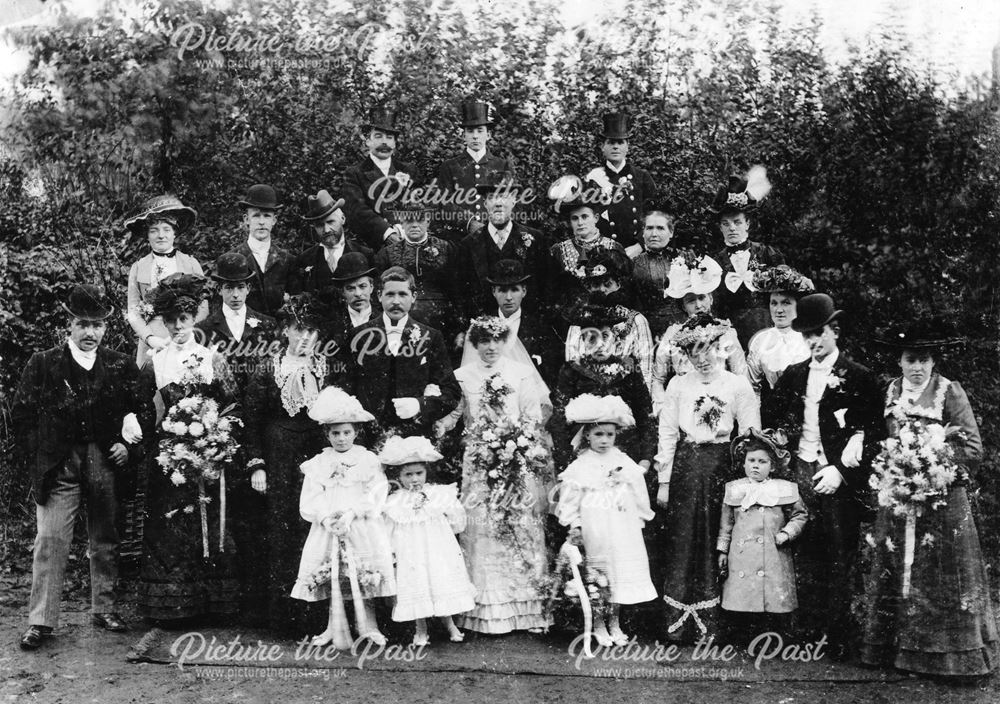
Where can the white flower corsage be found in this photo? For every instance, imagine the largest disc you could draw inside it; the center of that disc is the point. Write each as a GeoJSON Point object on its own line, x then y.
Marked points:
{"type": "Point", "coordinates": [415, 335]}
{"type": "Point", "coordinates": [403, 178]}
{"type": "Point", "coordinates": [432, 390]}
{"type": "Point", "coordinates": [526, 239]}
{"type": "Point", "coordinates": [834, 381]}
{"type": "Point", "coordinates": [309, 268]}
{"type": "Point", "coordinates": [253, 322]}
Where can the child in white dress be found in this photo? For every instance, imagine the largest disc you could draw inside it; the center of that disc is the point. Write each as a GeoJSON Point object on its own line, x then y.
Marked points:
{"type": "Point", "coordinates": [423, 519]}
{"type": "Point", "coordinates": [343, 493]}
{"type": "Point", "coordinates": [604, 502]}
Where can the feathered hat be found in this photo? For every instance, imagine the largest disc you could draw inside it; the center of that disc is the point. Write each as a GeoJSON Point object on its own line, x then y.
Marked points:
{"type": "Point", "coordinates": [177, 293]}
{"type": "Point", "coordinates": [570, 192]}
{"type": "Point", "coordinates": [334, 405]}
{"type": "Point", "coordinates": [743, 193]}
{"type": "Point", "coordinates": [416, 448]}
{"type": "Point", "coordinates": [692, 273]}
{"type": "Point", "coordinates": [773, 440]}
{"type": "Point", "coordinates": [700, 331]}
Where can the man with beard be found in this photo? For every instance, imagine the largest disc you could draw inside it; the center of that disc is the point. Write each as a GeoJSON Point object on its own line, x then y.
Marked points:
{"type": "Point", "coordinates": [313, 270]}
{"type": "Point", "coordinates": [376, 182]}
{"type": "Point", "coordinates": [460, 176]}
{"type": "Point", "coordinates": [77, 409]}
{"type": "Point", "coordinates": [502, 238]}
{"type": "Point", "coordinates": [398, 367]}
{"type": "Point", "coordinates": [269, 263]}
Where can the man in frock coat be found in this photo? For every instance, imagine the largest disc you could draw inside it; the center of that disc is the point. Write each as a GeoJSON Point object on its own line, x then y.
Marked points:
{"type": "Point", "coordinates": [398, 367]}
{"type": "Point", "coordinates": [270, 264]}
{"type": "Point", "coordinates": [354, 280]}
{"type": "Point", "coordinates": [79, 415]}
{"type": "Point", "coordinates": [376, 182]}
{"type": "Point", "coordinates": [830, 408]}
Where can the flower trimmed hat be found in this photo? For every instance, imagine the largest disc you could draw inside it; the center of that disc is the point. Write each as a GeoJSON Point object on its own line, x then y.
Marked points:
{"type": "Point", "coordinates": [569, 193]}
{"type": "Point", "coordinates": [334, 405]}
{"type": "Point", "coordinates": [176, 294]}
{"type": "Point", "coordinates": [166, 208]}
{"type": "Point", "coordinates": [922, 333]}
{"type": "Point", "coordinates": [700, 331]}
{"type": "Point", "coordinates": [773, 440]}
{"type": "Point", "coordinates": [783, 279]}
{"type": "Point", "coordinates": [487, 327]}
{"type": "Point", "coordinates": [692, 273]}
{"type": "Point", "coordinates": [595, 312]}
{"type": "Point", "coordinates": [416, 448]}
{"type": "Point", "coordinates": [589, 408]}
{"type": "Point", "coordinates": [743, 193]}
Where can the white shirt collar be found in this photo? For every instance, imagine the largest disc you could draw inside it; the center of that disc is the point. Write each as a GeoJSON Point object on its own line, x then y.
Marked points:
{"type": "Point", "coordinates": [337, 249]}
{"type": "Point", "coordinates": [259, 247]}
{"type": "Point", "coordinates": [84, 359]}
{"type": "Point", "coordinates": [476, 156]}
{"type": "Point", "coordinates": [915, 391]}
{"type": "Point", "coordinates": [359, 318]}
{"type": "Point", "coordinates": [515, 317]}
{"type": "Point", "coordinates": [616, 170]}
{"type": "Point", "coordinates": [505, 231]}
{"type": "Point", "coordinates": [826, 364]}
{"type": "Point", "coordinates": [395, 328]}
{"type": "Point", "coordinates": [383, 164]}
{"type": "Point", "coordinates": [231, 314]}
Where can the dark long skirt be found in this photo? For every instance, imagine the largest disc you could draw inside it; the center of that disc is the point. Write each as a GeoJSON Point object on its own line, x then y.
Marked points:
{"type": "Point", "coordinates": [691, 586]}
{"type": "Point", "coordinates": [947, 625]}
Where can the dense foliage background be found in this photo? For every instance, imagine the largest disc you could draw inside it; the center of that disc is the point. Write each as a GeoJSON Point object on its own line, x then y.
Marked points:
{"type": "Point", "coordinates": [885, 175]}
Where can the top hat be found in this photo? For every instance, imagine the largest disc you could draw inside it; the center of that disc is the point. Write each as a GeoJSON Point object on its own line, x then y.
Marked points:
{"type": "Point", "coordinates": [87, 302]}
{"type": "Point", "coordinates": [231, 267]}
{"type": "Point", "coordinates": [921, 333]}
{"type": "Point", "coordinates": [321, 205]}
{"type": "Point", "coordinates": [261, 196]}
{"type": "Point", "coordinates": [381, 119]}
{"type": "Point", "coordinates": [616, 126]}
{"type": "Point", "coordinates": [164, 206]}
{"type": "Point", "coordinates": [814, 311]}
{"type": "Point", "coordinates": [476, 113]}
{"type": "Point", "coordinates": [351, 266]}
{"type": "Point", "coordinates": [508, 272]}
{"type": "Point", "coordinates": [570, 194]}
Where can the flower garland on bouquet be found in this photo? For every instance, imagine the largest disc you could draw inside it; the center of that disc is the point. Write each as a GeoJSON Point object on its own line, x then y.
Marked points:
{"type": "Point", "coordinates": [580, 581]}
{"type": "Point", "coordinates": [505, 451]}
{"type": "Point", "coordinates": [912, 473]}
{"type": "Point", "coordinates": [198, 445]}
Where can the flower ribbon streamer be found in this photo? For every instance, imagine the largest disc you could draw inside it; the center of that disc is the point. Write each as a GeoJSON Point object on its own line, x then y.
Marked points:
{"type": "Point", "coordinates": [572, 554]}
{"type": "Point", "coordinates": [690, 611]}
{"type": "Point", "coordinates": [202, 498]}
{"type": "Point", "coordinates": [908, 547]}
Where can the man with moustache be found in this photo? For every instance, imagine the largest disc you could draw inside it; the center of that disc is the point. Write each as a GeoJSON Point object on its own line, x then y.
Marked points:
{"type": "Point", "coordinates": [269, 263]}
{"type": "Point", "coordinates": [398, 367]}
{"type": "Point", "coordinates": [313, 270]}
{"type": "Point", "coordinates": [376, 182]}
{"type": "Point", "coordinates": [77, 411]}
{"type": "Point", "coordinates": [355, 283]}
{"type": "Point", "coordinates": [628, 186]}
{"type": "Point", "coordinates": [460, 176]}
{"type": "Point", "coordinates": [831, 410]}
{"type": "Point", "coordinates": [502, 238]}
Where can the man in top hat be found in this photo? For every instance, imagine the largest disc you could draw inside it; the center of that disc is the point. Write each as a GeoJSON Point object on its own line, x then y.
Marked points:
{"type": "Point", "coordinates": [502, 238]}
{"type": "Point", "coordinates": [736, 298]}
{"type": "Point", "coordinates": [398, 367]}
{"type": "Point", "coordinates": [628, 185]}
{"type": "Point", "coordinates": [269, 263]}
{"type": "Point", "coordinates": [376, 182]}
{"type": "Point", "coordinates": [831, 410]}
{"type": "Point", "coordinates": [241, 334]}
{"type": "Point", "coordinates": [460, 175]}
{"type": "Point", "coordinates": [77, 410]}
{"type": "Point", "coordinates": [313, 270]}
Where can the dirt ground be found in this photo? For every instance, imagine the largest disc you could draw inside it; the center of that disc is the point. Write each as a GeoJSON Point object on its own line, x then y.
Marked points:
{"type": "Point", "coordinates": [84, 664]}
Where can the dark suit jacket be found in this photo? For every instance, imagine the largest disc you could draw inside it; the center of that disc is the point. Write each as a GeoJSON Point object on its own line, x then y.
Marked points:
{"type": "Point", "coordinates": [268, 288]}
{"type": "Point", "coordinates": [543, 344]}
{"type": "Point", "coordinates": [459, 176]}
{"type": "Point", "coordinates": [242, 356]}
{"type": "Point", "coordinates": [43, 413]}
{"type": "Point", "coordinates": [624, 222]}
{"type": "Point", "coordinates": [422, 360]}
{"type": "Point", "coordinates": [366, 217]}
{"type": "Point", "coordinates": [477, 258]}
{"type": "Point", "coordinates": [311, 274]}
{"type": "Point", "coordinates": [857, 392]}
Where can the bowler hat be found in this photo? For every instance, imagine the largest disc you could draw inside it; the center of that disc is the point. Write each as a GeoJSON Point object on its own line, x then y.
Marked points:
{"type": "Point", "coordinates": [476, 113]}
{"type": "Point", "coordinates": [814, 311]}
{"type": "Point", "coordinates": [921, 333]}
{"type": "Point", "coordinates": [321, 205]}
{"type": "Point", "coordinates": [262, 197]}
{"type": "Point", "coordinates": [508, 272]}
{"type": "Point", "coordinates": [351, 266]}
{"type": "Point", "coordinates": [616, 126]}
{"type": "Point", "coordinates": [232, 267]}
{"type": "Point", "coordinates": [87, 302]}
{"type": "Point", "coordinates": [381, 119]}
{"type": "Point", "coordinates": [164, 207]}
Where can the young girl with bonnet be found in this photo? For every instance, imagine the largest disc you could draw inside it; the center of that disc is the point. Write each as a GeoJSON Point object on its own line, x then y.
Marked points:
{"type": "Point", "coordinates": [604, 502]}
{"type": "Point", "coordinates": [343, 493]}
{"type": "Point", "coordinates": [423, 519]}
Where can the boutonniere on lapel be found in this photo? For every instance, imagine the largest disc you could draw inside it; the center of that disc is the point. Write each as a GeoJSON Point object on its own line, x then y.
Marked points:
{"type": "Point", "coordinates": [309, 268]}
{"type": "Point", "coordinates": [835, 380]}
{"type": "Point", "coordinates": [578, 272]}
{"type": "Point", "coordinates": [526, 241]}
{"type": "Point", "coordinates": [253, 322]}
{"type": "Point", "coordinates": [432, 391]}
{"type": "Point", "coordinates": [145, 310]}
{"type": "Point", "coordinates": [402, 178]}
{"type": "Point", "coordinates": [431, 250]}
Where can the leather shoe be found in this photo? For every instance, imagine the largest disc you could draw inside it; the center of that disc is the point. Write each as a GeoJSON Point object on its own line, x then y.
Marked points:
{"type": "Point", "coordinates": [32, 638]}
{"type": "Point", "coordinates": [110, 622]}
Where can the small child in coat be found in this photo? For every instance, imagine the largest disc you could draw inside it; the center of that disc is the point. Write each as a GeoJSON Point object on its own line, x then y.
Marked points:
{"type": "Point", "coordinates": [604, 502]}
{"type": "Point", "coordinates": [760, 517]}
{"type": "Point", "coordinates": [423, 519]}
{"type": "Point", "coordinates": [343, 493]}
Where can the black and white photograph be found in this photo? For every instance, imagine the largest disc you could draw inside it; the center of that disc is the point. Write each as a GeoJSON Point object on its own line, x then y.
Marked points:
{"type": "Point", "coordinates": [448, 350]}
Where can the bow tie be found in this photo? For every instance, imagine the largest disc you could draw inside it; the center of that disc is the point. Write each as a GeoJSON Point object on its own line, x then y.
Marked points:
{"type": "Point", "coordinates": [741, 247]}
{"type": "Point", "coordinates": [170, 254]}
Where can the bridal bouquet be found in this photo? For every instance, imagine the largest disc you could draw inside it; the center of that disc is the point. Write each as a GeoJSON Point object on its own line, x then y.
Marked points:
{"type": "Point", "coordinates": [915, 469]}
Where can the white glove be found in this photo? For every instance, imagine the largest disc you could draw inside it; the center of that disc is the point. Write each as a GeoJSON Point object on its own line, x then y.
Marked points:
{"type": "Point", "coordinates": [406, 408]}
{"type": "Point", "coordinates": [131, 432]}
{"type": "Point", "coordinates": [828, 480]}
{"type": "Point", "coordinates": [851, 456]}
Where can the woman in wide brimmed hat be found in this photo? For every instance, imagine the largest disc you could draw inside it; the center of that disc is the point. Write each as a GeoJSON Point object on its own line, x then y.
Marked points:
{"type": "Point", "coordinates": [159, 220]}
{"type": "Point", "coordinates": [773, 349]}
{"type": "Point", "coordinates": [280, 436]}
{"type": "Point", "coordinates": [188, 563]}
{"type": "Point", "coordinates": [700, 411]}
{"type": "Point", "coordinates": [941, 620]}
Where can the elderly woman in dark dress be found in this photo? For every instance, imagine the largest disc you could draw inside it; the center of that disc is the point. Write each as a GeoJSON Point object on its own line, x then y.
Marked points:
{"type": "Point", "coordinates": [651, 270]}
{"type": "Point", "coordinates": [279, 437]}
